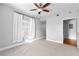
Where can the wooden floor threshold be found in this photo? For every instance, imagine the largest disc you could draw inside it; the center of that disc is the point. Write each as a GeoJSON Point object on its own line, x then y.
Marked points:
{"type": "Point", "coordinates": [70, 42]}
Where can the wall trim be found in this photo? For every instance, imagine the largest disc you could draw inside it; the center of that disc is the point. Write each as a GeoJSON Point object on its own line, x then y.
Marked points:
{"type": "Point", "coordinates": [14, 45]}
{"type": "Point", "coordinates": [11, 46]}
{"type": "Point", "coordinates": [55, 41]}
{"type": "Point", "coordinates": [40, 38]}
{"type": "Point", "coordinates": [67, 18]}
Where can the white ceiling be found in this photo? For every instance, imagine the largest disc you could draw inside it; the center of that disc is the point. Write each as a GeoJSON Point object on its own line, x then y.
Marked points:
{"type": "Point", "coordinates": [55, 8]}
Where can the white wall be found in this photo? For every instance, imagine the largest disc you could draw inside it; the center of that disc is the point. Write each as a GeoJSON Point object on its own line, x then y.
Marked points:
{"type": "Point", "coordinates": [55, 29]}
{"type": "Point", "coordinates": [55, 23]}
{"type": "Point", "coordinates": [6, 26]}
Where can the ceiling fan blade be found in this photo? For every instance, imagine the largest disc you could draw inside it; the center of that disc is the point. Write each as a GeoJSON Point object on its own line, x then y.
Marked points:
{"type": "Point", "coordinates": [46, 10]}
{"type": "Point", "coordinates": [33, 9]}
{"type": "Point", "coordinates": [46, 5]}
{"type": "Point", "coordinates": [36, 5]}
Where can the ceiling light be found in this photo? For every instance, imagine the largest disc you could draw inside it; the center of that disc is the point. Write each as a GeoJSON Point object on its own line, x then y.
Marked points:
{"type": "Point", "coordinates": [39, 9]}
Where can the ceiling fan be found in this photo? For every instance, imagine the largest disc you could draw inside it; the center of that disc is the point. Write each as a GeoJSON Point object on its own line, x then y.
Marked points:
{"type": "Point", "coordinates": [41, 7]}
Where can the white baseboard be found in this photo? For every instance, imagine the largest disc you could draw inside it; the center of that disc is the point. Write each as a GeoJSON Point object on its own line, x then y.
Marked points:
{"type": "Point", "coordinates": [33, 39]}
{"type": "Point", "coordinates": [55, 41]}
{"type": "Point", "coordinates": [14, 45]}
{"type": "Point", "coordinates": [40, 38]}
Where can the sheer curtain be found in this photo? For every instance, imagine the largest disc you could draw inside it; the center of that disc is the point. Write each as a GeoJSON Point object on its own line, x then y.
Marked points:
{"type": "Point", "coordinates": [32, 28]}
{"type": "Point", "coordinates": [17, 28]}
{"type": "Point", "coordinates": [29, 28]}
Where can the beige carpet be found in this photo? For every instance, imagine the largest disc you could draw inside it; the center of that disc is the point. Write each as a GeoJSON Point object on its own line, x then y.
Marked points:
{"type": "Point", "coordinates": [41, 48]}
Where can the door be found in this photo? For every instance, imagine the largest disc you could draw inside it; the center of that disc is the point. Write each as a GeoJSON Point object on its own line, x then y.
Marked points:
{"type": "Point", "coordinates": [70, 32]}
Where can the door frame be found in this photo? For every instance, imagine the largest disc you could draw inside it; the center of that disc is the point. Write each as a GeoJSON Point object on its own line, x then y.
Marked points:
{"type": "Point", "coordinates": [76, 28]}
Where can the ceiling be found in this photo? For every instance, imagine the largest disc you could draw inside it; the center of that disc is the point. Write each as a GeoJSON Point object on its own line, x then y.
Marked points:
{"type": "Point", "coordinates": [55, 8]}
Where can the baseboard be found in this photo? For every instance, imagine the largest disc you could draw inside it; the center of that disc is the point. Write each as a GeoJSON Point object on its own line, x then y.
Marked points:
{"type": "Point", "coordinates": [55, 41]}
{"type": "Point", "coordinates": [14, 45]}
{"type": "Point", "coordinates": [40, 38]}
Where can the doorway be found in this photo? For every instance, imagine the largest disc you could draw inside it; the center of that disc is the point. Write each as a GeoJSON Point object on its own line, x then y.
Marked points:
{"type": "Point", "coordinates": [69, 32]}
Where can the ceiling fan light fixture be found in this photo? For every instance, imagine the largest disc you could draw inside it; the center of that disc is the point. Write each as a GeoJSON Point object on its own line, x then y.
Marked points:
{"type": "Point", "coordinates": [39, 9]}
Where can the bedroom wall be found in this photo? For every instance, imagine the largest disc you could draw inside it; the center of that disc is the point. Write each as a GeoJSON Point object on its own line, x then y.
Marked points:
{"type": "Point", "coordinates": [55, 23]}
{"type": "Point", "coordinates": [6, 26]}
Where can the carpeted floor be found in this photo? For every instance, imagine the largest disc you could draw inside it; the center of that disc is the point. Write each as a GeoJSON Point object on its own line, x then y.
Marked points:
{"type": "Point", "coordinates": [41, 48]}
